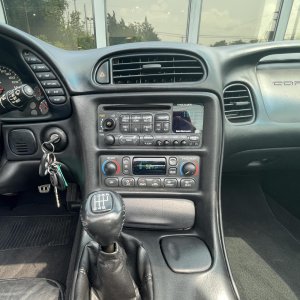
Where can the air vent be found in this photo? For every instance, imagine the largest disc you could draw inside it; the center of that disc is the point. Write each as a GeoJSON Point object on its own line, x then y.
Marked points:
{"type": "Point", "coordinates": [156, 68]}
{"type": "Point", "coordinates": [238, 103]}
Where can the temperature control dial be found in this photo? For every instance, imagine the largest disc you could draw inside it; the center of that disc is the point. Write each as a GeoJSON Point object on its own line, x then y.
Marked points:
{"type": "Point", "coordinates": [188, 169]}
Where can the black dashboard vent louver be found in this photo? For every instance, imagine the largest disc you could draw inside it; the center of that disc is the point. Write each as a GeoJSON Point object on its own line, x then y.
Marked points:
{"type": "Point", "coordinates": [238, 103]}
{"type": "Point", "coordinates": [154, 68]}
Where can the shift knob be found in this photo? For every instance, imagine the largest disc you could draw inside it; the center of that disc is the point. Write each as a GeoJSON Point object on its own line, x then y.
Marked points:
{"type": "Point", "coordinates": [102, 216]}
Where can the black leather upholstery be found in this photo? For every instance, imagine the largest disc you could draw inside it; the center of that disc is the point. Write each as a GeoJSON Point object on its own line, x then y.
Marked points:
{"type": "Point", "coordinates": [125, 274]}
{"type": "Point", "coordinates": [30, 289]}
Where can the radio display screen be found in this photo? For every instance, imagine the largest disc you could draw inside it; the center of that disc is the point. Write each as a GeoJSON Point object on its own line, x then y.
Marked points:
{"type": "Point", "coordinates": [149, 166]}
{"type": "Point", "coordinates": [187, 118]}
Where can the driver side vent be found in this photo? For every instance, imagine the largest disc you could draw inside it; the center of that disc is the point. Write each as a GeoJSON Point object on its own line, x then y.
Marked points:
{"type": "Point", "coordinates": [163, 67]}
{"type": "Point", "coordinates": [238, 103]}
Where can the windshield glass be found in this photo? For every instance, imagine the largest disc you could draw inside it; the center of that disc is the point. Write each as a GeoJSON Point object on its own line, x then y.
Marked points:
{"type": "Point", "coordinates": [86, 24]}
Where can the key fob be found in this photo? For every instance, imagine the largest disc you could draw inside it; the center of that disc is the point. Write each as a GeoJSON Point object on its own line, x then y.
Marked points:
{"type": "Point", "coordinates": [44, 164]}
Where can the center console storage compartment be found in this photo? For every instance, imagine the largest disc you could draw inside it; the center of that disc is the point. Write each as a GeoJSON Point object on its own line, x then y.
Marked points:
{"type": "Point", "coordinates": [186, 254]}
{"type": "Point", "coordinates": [159, 213]}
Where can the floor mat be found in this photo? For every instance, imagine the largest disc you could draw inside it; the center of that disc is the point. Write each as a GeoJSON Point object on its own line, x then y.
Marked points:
{"type": "Point", "coordinates": [34, 231]}
{"type": "Point", "coordinates": [36, 246]}
{"type": "Point", "coordinates": [264, 257]}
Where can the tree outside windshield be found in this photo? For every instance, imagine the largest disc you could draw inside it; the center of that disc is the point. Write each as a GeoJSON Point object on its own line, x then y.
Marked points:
{"type": "Point", "coordinates": [74, 24]}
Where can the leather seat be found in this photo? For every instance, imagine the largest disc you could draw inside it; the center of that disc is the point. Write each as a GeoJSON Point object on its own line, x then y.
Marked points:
{"type": "Point", "coordinates": [30, 289]}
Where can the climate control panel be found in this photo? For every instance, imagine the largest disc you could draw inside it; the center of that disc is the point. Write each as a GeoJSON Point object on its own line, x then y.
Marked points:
{"type": "Point", "coordinates": [150, 172]}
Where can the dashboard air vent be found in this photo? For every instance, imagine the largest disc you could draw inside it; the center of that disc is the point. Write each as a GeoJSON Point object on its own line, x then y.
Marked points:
{"type": "Point", "coordinates": [156, 68]}
{"type": "Point", "coordinates": [238, 103]}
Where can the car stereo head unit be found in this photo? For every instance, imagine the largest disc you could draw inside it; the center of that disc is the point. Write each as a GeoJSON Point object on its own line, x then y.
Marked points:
{"type": "Point", "coordinates": [151, 125]}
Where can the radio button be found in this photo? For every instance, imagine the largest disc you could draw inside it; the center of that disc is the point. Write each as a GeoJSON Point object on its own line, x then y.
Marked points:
{"type": "Point", "coordinates": [183, 143]}
{"type": "Point", "coordinates": [187, 183]}
{"type": "Point", "coordinates": [124, 127]}
{"type": "Point", "coordinates": [159, 143]}
{"type": "Point", "coordinates": [158, 126]}
{"type": "Point", "coordinates": [148, 140]}
{"type": "Point", "coordinates": [142, 182]}
{"type": "Point", "coordinates": [172, 161]}
{"type": "Point", "coordinates": [173, 171]}
{"type": "Point", "coordinates": [135, 128]}
{"type": "Point", "coordinates": [175, 143]}
{"type": "Point", "coordinates": [147, 118]}
{"type": "Point", "coordinates": [166, 127]}
{"type": "Point", "coordinates": [170, 183]}
{"type": "Point", "coordinates": [147, 128]}
{"type": "Point", "coordinates": [136, 119]}
{"type": "Point", "coordinates": [153, 182]}
{"type": "Point", "coordinates": [128, 182]}
{"type": "Point", "coordinates": [129, 139]}
{"type": "Point", "coordinates": [162, 117]}
{"type": "Point", "coordinates": [167, 143]}
{"type": "Point", "coordinates": [124, 118]}
{"type": "Point", "coordinates": [112, 181]}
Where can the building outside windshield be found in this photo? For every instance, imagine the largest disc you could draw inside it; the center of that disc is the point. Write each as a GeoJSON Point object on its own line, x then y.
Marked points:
{"type": "Point", "coordinates": [87, 24]}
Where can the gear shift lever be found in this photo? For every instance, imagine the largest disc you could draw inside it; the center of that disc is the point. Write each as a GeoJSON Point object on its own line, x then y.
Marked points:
{"type": "Point", "coordinates": [102, 216]}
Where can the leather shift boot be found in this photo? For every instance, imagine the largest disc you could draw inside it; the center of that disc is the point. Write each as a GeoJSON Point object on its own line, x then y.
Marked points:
{"type": "Point", "coordinates": [114, 280]}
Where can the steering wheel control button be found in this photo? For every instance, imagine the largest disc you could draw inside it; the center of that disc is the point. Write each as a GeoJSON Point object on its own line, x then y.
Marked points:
{"type": "Point", "coordinates": [111, 181]}
{"type": "Point", "coordinates": [31, 58]}
{"type": "Point", "coordinates": [128, 182]}
{"type": "Point", "coordinates": [172, 161]}
{"type": "Point", "coordinates": [101, 202]}
{"type": "Point", "coordinates": [39, 68]}
{"type": "Point", "coordinates": [55, 92]}
{"type": "Point", "coordinates": [50, 83]}
{"type": "Point", "coordinates": [45, 76]}
{"type": "Point", "coordinates": [102, 75]}
{"type": "Point", "coordinates": [57, 99]}
{"type": "Point", "coordinates": [142, 182]}
{"type": "Point", "coordinates": [188, 183]}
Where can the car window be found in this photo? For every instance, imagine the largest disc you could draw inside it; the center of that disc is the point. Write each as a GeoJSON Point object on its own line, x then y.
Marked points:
{"type": "Point", "coordinates": [86, 24]}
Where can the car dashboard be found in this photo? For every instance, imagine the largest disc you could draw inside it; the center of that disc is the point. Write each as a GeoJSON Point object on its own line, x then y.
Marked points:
{"type": "Point", "coordinates": [154, 121]}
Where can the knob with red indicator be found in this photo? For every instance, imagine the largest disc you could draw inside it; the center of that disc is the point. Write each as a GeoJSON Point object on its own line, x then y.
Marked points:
{"type": "Point", "coordinates": [110, 168]}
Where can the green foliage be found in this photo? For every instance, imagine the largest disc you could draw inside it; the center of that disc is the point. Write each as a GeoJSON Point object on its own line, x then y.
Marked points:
{"type": "Point", "coordinates": [50, 21]}
{"type": "Point", "coordinates": [119, 32]}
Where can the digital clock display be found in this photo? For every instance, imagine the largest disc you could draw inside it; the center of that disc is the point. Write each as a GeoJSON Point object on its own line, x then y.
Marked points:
{"type": "Point", "coordinates": [149, 166]}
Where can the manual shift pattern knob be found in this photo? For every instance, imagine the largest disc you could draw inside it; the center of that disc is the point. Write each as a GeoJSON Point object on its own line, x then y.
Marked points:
{"type": "Point", "coordinates": [102, 216]}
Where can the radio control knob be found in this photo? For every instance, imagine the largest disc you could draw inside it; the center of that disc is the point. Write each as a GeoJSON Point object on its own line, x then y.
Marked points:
{"type": "Point", "coordinates": [188, 169]}
{"type": "Point", "coordinates": [110, 168]}
{"type": "Point", "coordinates": [175, 143]}
{"type": "Point", "coordinates": [109, 139]}
{"type": "Point", "coordinates": [159, 143]}
{"type": "Point", "coordinates": [109, 124]}
{"type": "Point", "coordinates": [166, 143]}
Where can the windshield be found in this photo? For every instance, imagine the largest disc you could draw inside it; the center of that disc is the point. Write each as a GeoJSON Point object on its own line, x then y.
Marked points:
{"type": "Point", "coordinates": [86, 24]}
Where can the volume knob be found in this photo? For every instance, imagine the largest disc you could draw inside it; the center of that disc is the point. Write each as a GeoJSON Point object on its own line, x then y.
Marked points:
{"type": "Point", "coordinates": [109, 139]}
{"type": "Point", "coordinates": [188, 169]}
